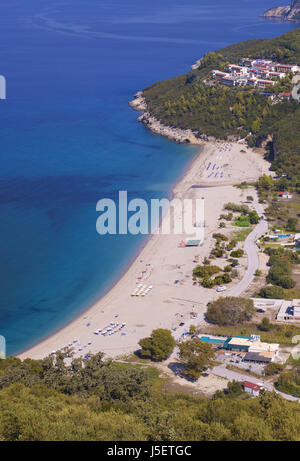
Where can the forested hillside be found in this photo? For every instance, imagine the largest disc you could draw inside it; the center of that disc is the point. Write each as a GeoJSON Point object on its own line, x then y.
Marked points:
{"type": "Point", "coordinates": [191, 101]}
{"type": "Point", "coordinates": [103, 400]}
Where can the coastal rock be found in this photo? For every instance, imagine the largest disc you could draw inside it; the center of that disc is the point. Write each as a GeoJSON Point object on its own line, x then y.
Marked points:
{"type": "Point", "coordinates": [176, 134]}
{"type": "Point", "coordinates": [288, 13]}
{"type": "Point", "coordinates": [139, 103]}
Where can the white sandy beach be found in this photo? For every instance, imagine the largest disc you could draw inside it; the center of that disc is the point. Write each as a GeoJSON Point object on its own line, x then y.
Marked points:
{"type": "Point", "coordinates": [166, 304]}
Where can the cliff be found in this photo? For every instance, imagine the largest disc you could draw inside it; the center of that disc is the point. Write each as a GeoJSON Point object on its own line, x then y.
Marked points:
{"type": "Point", "coordinates": [287, 13]}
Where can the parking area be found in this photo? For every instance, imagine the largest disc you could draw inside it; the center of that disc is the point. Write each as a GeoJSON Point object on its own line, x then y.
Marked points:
{"type": "Point", "coordinates": [236, 359]}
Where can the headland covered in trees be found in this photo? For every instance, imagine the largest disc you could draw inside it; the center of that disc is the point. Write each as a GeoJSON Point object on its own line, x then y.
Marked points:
{"type": "Point", "coordinates": [192, 108]}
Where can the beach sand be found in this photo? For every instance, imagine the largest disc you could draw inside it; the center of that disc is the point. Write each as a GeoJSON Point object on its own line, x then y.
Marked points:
{"type": "Point", "coordinates": [211, 176]}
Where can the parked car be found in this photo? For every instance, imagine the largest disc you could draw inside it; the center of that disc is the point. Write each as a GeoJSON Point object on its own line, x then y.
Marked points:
{"type": "Point", "coordinates": [221, 288]}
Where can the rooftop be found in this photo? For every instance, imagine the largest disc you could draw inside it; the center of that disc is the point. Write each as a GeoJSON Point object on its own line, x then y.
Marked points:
{"type": "Point", "coordinates": [253, 386]}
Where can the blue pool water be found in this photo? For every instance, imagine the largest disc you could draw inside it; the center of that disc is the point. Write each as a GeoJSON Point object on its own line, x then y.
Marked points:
{"type": "Point", "coordinates": [207, 339]}
{"type": "Point", "coordinates": [69, 138]}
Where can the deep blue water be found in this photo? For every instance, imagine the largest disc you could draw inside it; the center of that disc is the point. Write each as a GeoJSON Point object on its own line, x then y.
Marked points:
{"type": "Point", "coordinates": [69, 138]}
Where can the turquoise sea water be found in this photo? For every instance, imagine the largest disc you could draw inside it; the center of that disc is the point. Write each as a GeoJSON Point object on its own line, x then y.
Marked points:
{"type": "Point", "coordinates": [68, 138]}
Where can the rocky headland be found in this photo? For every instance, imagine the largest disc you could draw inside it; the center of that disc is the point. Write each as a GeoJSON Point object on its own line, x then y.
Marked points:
{"type": "Point", "coordinates": [285, 13]}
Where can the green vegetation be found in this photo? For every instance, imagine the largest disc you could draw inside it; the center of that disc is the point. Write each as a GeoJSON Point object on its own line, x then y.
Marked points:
{"type": "Point", "coordinates": [281, 334]}
{"type": "Point", "coordinates": [205, 272]}
{"type": "Point", "coordinates": [272, 292]}
{"type": "Point", "coordinates": [195, 356]}
{"type": "Point", "coordinates": [241, 235]}
{"type": "Point", "coordinates": [265, 324]}
{"type": "Point", "coordinates": [289, 382]}
{"type": "Point", "coordinates": [272, 369]}
{"type": "Point", "coordinates": [230, 311]}
{"type": "Point", "coordinates": [158, 346]}
{"type": "Point", "coordinates": [32, 410]}
{"type": "Point", "coordinates": [237, 253]}
{"type": "Point", "coordinates": [242, 221]}
{"type": "Point", "coordinates": [281, 261]}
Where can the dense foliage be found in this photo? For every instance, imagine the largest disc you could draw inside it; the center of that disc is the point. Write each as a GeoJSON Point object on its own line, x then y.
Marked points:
{"type": "Point", "coordinates": [230, 311]}
{"type": "Point", "coordinates": [281, 261]}
{"type": "Point", "coordinates": [33, 410]}
{"type": "Point", "coordinates": [191, 101]}
{"type": "Point", "coordinates": [158, 346]}
{"type": "Point", "coordinates": [194, 356]}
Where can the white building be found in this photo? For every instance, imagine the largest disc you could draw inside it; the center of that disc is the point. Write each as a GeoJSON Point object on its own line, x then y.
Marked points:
{"type": "Point", "coordinates": [251, 388]}
{"type": "Point", "coordinates": [289, 311]}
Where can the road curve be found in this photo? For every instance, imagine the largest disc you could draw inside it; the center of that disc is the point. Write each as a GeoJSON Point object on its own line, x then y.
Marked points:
{"type": "Point", "coordinates": [251, 249]}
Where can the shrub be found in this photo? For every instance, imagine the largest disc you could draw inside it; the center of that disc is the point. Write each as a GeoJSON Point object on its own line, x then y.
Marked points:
{"type": "Point", "coordinates": [242, 221]}
{"type": "Point", "coordinates": [230, 311]}
{"type": "Point", "coordinates": [272, 292]}
{"type": "Point", "coordinates": [237, 253]}
{"type": "Point", "coordinates": [208, 283]}
{"type": "Point", "coordinates": [220, 237]}
{"type": "Point", "coordinates": [265, 324]}
{"type": "Point", "coordinates": [158, 346]}
{"type": "Point", "coordinates": [254, 218]}
{"type": "Point", "coordinates": [272, 369]}
{"type": "Point", "coordinates": [206, 271]}
{"type": "Point", "coordinates": [195, 355]}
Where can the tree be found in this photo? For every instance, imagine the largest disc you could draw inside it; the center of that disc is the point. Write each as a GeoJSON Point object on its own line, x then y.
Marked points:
{"type": "Point", "coordinates": [230, 311]}
{"type": "Point", "coordinates": [272, 369]}
{"type": "Point", "coordinates": [158, 346]}
{"type": "Point", "coordinates": [237, 253]}
{"type": "Point", "coordinates": [292, 224]}
{"type": "Point", "coordinates": [195, 355]}
{"type": "Point", "coordinates": [254, 218]}
{"type": "Point", "coordinates": [192, 329]}
{"type": "Point", "coordinates": [265, 324]}
{"type": "Point", "coordinates": [234, 389]}
{"type": "Point", "coordinates": [271, 291]}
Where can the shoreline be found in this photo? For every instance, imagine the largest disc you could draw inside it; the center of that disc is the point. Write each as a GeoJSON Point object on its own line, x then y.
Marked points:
{"type": "Point", "coordinates": [183, 136]}
{"type": "Point", "coordinates": [166, 304]}
{"type": "Point", "coordinates": [124, 272]}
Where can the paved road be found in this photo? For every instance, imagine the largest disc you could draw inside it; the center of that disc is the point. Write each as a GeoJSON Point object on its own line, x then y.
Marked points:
{"type": "Point", "coordinates": [222, 371]}
{"type": "Point", "coordinates": [252, 252]}
{"type": "Point", "coordinates": [253, 263]}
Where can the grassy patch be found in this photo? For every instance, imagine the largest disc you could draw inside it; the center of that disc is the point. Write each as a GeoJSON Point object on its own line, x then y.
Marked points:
{"type": "Point", "coordinates": [281, 334]}
{"type": "Point", "coordinates": [241, 234]}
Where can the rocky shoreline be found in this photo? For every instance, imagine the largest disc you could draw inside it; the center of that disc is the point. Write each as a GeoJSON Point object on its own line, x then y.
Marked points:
{"type": "Point", "coordinates": [175, 134]}
{"type": "Point", "coordinates": [285, 13]}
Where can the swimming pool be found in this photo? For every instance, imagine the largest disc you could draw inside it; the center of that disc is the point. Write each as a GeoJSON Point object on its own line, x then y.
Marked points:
{"type": "Point", "coordinates": [207, 339]}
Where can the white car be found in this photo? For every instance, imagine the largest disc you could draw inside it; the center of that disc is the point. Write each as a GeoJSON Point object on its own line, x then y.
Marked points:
{"type": "Point", "coordinates": [221, 288]}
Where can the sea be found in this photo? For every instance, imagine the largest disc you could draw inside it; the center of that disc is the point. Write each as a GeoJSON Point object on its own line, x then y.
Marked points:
{"type": "Point", "coordinates": [68, 139]}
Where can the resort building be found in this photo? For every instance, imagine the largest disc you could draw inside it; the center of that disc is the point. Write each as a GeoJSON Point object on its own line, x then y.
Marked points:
{"type": "Point", "coordinates": [256, 72]}
{"type": "Point", "coordinates": [286, 68]}
{"type": "Point", "coordinates": [254, 350]}
{"type": "Point", "coordinates": [228, 80]}
{"type": "Point", "coordinates": [251, 344]}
